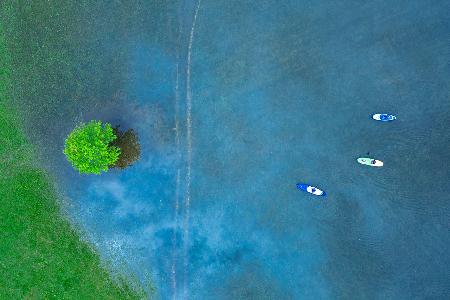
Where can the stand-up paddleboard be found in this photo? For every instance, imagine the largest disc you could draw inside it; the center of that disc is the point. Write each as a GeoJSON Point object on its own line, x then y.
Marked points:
{"type": "Point", "coordinates": [370, 162]}
{"type": "Point", "coordinates": [310, 189]}
{"type": "Point", "coordinates": [384, 117]}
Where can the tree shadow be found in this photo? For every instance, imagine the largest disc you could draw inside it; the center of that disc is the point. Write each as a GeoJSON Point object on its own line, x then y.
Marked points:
{"type": "Point", "coordinates": [128, 142]}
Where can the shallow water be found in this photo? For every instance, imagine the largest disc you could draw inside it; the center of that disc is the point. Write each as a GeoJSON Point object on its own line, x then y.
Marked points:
{"type": "Point", "coordinates": [281, 92]}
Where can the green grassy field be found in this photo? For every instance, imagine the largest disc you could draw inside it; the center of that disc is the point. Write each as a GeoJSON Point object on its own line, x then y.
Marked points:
{"type": "Point", "coordinates": [41, 256]}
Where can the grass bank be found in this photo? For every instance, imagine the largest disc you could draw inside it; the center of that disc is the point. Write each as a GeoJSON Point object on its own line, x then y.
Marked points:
{"type": "Point", "coordinates": [41, 256]}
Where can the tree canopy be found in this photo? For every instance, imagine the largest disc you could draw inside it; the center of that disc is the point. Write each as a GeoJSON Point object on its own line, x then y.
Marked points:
{"type": "Point", "coordinates": [88, 147]}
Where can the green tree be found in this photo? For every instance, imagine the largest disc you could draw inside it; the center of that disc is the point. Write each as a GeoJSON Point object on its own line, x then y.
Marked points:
{"type": "Point", "coordinates": [88, 147]}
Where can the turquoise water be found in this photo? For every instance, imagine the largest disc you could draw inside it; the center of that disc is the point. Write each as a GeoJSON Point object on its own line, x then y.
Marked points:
{"type": "Point", "coordinates": [267, 94]}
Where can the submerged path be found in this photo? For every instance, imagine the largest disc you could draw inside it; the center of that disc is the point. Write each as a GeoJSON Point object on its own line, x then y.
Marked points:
{"type": "Point", "coordinates": [187, 203]}
{"type": "Point", "coordinates": [184, 255]}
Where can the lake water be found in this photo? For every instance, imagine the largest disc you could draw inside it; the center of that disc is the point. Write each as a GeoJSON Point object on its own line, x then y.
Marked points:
{"type": "Point", "coordinates": [235, 109]}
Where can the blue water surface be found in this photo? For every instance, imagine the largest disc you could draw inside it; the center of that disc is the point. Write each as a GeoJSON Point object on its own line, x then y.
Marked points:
{"type": "Point", "coordinates": [257, 96]}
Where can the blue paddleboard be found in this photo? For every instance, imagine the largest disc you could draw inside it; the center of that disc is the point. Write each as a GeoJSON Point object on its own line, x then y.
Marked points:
{"type": "Point", "coordinates": [310, 189]}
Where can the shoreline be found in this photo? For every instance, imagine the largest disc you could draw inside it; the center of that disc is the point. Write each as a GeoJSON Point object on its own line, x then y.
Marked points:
{"type": "Point", "coordinates": [42, 254]}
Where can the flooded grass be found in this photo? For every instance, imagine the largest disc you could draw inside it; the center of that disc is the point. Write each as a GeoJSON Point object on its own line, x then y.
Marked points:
{"type": "Point", "coordinates": [42, 256]}
{"type": "Point", "coordinates": [267, 94]}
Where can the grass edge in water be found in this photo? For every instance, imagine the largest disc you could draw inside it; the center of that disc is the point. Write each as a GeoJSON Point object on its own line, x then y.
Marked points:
{"type": "Point", "coordinates": [42, 255]}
